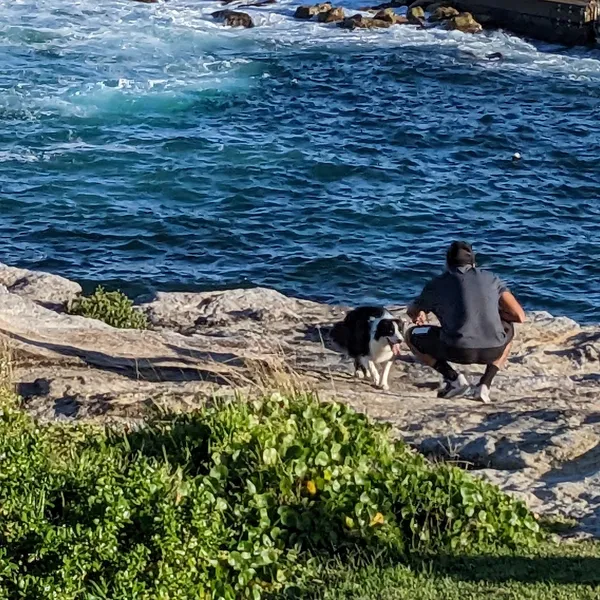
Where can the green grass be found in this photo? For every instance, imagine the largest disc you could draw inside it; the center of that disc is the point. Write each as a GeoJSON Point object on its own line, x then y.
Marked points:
{"type": "Point", "coordinates": [278, 497]}
{"type": "Point", "coordinates": [565, 571]}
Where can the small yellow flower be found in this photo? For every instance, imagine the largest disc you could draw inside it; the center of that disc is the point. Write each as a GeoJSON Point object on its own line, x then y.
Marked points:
{"type": "Point", "coordinates": [311, 487]}
{"type": "Point", "coordinates": [377, 519]}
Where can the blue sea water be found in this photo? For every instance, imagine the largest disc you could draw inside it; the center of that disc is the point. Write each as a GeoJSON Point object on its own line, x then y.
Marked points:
{"type": "Point", "coordinates": [148, 147]}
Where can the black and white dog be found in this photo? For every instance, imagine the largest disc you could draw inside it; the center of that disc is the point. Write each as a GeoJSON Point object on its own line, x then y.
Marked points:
{"type": "Point", "coordinates": [371, 336]}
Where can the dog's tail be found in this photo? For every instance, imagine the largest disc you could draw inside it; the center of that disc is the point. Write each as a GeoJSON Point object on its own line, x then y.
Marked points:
{"type": "Point", "coordinates": [339, 336]}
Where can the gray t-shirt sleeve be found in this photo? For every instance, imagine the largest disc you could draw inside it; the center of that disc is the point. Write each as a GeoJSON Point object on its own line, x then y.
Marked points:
{"type": "Point", "coordinates": [500, 285]}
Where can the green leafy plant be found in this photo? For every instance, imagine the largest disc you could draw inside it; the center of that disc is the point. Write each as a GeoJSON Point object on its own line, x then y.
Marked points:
{"type": "Point", "coordinates": [114, 308]}
{"type": "Point", "coordinates": [236, 500]}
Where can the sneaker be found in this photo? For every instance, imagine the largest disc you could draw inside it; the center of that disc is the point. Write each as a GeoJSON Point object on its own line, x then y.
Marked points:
{"type": "Point", "coordinates": [482, 392]}
{"type": "Point", "coordinates": [454, 388]}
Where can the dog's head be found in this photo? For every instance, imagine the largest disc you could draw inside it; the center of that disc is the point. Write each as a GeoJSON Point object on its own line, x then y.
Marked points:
{"type": "Point", "coordinates": [392, 330]}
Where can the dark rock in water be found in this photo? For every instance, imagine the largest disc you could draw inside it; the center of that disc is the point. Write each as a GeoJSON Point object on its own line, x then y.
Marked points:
{"type": "Point", "coordinates": [260, 3]}
{"type": "Point", "coordinates": [492, 56]}
{"type": "Point", "coordinates": [392, 4]}
{"type": "Point", "coordinates": [443, 13]}
{"type": "Point", "coordinates": [360, 22]}
{"type": "Point", "coordinates": [307, 12]}
{"type": "Point", "coordinates": [423, 4]}
{"type": "Point", "coordinates": [416, 16]}
{"type": "Point", "coordinates": [465, 23]}
{"type": "Point", "coordinates": [331, 16]}
{"type": "Point", "coordinates": [233, 18]}
{"type": "Point", "coordinates": [433, 7]}
{"type": "Point", "coordinates": [387, 14]}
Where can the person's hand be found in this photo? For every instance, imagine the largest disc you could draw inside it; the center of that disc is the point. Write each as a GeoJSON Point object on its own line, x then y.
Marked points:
{"type": "Point", "coordinates": [420, 319]}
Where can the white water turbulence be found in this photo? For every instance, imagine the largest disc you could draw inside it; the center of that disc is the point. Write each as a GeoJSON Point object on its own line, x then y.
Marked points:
{"type": "Point", "coordinates": [125, 56]}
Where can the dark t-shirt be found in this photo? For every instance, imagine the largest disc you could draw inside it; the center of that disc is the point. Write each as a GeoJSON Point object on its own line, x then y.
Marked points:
{"type": "Point", "coordinates": [465, 300]}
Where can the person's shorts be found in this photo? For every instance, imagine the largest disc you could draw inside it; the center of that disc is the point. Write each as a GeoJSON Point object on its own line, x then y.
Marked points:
{"type": "Point", "coordinates": [426, 339]}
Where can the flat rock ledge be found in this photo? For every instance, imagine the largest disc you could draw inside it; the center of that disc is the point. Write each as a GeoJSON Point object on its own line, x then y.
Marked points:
{"type": "Point", "coordinates": [539, 439]}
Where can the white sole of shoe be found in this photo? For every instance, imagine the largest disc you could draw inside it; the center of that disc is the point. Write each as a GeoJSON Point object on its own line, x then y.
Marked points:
{"type": "Point", "coordinates": [459, 391]}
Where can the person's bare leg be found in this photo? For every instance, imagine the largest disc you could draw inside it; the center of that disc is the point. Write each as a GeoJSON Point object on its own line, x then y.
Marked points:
{"type": "Point", "coordinates": [501, 362]}
{"type": "Point", "coordinates": [454, 383]}
{"type": "Point", "coordinates": [424, 358]}
{"type": "Point", "coordinates": [483, 388]}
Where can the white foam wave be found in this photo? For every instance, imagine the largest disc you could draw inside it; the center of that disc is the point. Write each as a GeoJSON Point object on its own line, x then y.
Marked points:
{"type": "Point", "coordinates": [118, 54]}
{"type": "Point", "coordinates": [20, 156]}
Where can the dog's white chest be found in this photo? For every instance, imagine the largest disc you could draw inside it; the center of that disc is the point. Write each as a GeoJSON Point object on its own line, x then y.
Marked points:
{"type": "Point", "coordinates": [380, 351]}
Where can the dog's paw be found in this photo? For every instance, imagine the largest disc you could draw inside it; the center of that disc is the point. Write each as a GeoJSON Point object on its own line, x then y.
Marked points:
{"type": "Point", "coordinates": [384, 386]}
{"type": "Point", "coordinates": [359, 375]}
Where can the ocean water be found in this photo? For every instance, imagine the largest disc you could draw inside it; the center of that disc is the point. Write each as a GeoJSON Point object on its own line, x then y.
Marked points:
{"type": "Point", "coordinates": [148, 147]}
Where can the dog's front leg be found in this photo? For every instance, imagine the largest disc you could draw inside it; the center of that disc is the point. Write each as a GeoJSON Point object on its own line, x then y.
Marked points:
{"type": "Point", "coordinates": [384, 376]}
{"type": "Point", "coordinates": [369, 367]}
{"type": "Point", "coordinates": [374, 373]}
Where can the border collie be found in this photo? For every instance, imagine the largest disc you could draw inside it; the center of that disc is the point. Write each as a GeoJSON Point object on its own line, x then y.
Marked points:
{"type": "Point", "coordinates": [370, 335]}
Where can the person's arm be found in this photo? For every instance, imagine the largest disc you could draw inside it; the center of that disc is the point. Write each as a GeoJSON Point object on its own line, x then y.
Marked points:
{"type": "Point", "coordinates": [510, 309]}
{"type": "Point", "coordinates": [418, 308]}
{"type": "Point", "coordinates": [416, 315]}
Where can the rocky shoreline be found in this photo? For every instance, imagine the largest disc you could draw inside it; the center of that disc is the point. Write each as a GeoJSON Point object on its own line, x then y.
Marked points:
{"type": "Point", "coordinates": [570, 22]}
{"type": "Point", "coordinates": [539, 439]}
{"type": "Point", "coordinates": [382, 16]}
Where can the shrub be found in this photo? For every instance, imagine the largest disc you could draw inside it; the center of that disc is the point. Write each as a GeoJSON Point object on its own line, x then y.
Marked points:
{"type": "Point", "coordinates": [114, 308]}
{"type": "Point", "coordinates": [236, 500]}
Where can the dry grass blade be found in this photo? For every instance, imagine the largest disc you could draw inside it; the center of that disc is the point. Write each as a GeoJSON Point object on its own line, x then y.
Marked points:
{"type": "Point", "coordinates": [6, 367]}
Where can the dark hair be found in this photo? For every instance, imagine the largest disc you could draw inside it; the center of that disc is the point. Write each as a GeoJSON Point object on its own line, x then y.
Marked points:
{"type": "Point", "coordinates": [460, 254]}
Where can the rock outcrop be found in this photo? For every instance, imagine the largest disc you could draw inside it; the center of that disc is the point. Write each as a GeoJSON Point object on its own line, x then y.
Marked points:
{"type": "Point", "coordinates": [539, 439]}
{"type": "Point", "coordinates": [464, 22]}
{"type": "Point", "coordinates": [48, 290]}
{"type": "Point", "coordinates": [360, 22]}
{"type": "Point", "coordinates": [331, 16]}
{"type": "Point", "coordinates": [233, 18]}
{"type": "Point", "coordinates": [387, 14]}
{"type": "Point", "coordinates": [416, 15]}
{"type": "Point", "coordinates": [308, 12]}
{"type": "Point", "coordinates": [443, 13]}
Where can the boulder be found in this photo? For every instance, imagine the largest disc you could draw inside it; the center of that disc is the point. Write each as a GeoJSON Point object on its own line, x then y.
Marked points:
{"type": "Point", "coordinates": [234, 18]}
{"type": "Point", "coordinates": [51, 291]}
{"type": "Point", "coordinates": [443, 13]}
{"type": "Point", "coordinates": [416, 15]}
{"type": "Point", "coordinates": [387, 14]}
{"type": "Point", "coordinates": [465, 23]}
{"type": "Point", "coordinates": [189, 312]}
{"type": "Point", "coordinates": [331, 16]}
{"type": "Point", "coordinates": [360, 22]}
{"type": "Point", "coordinates": [307, 12]}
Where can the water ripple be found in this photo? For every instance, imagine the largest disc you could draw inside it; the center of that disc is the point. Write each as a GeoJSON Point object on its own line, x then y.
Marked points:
{"type": "Point", "coordinates": [146, 146]}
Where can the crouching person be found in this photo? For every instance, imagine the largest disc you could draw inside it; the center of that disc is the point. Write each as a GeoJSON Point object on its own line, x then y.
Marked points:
{"type": "Point", "coordinates": [476, 312]}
